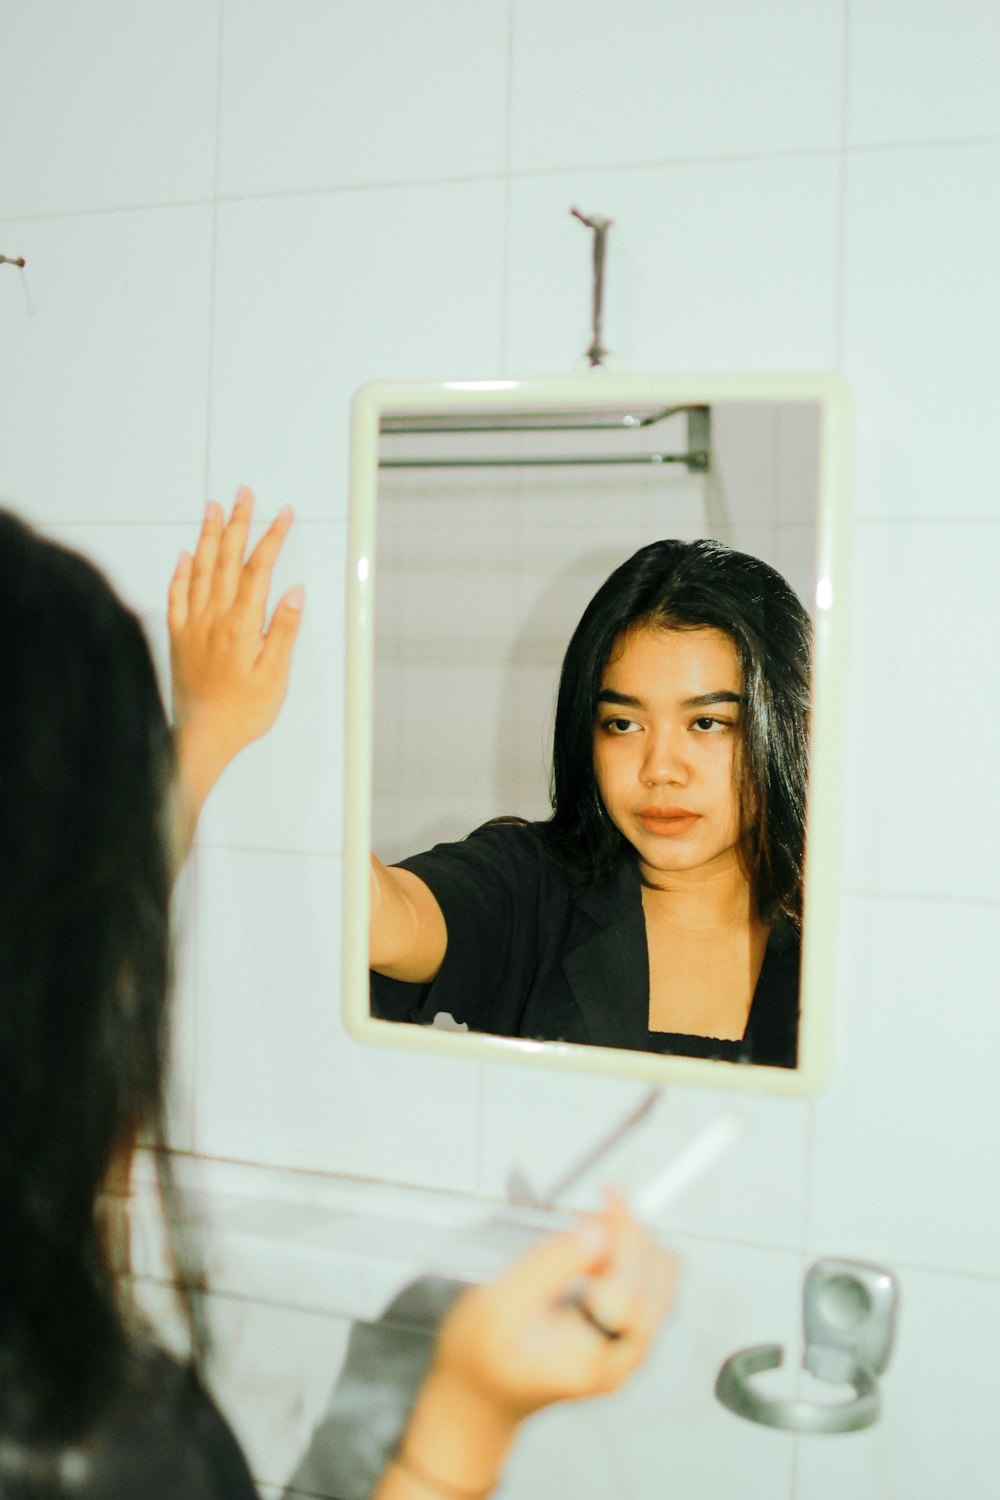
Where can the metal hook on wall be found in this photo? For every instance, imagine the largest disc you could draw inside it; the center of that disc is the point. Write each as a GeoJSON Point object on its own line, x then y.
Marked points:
{"type": "Point", "coordinates": [597, 352]}
{"type": "Point", "coordinates": [12, 260]}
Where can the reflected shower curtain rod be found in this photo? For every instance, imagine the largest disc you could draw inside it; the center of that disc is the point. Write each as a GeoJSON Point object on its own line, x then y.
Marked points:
{"type": "Point", "coordinates": [416, 426]}
{"type": "Point", "coordinates": [696, 460]}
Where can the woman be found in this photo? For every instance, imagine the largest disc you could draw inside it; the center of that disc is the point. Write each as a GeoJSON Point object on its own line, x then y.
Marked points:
{"type": "Point", "coordinates": [92, 783]}
{"type": "Point", "coordinates": [659, 908]}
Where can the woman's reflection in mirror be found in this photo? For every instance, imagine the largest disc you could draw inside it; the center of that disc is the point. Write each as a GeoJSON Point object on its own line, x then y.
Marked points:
{"type": "Point", "coordinates": [659, 907]}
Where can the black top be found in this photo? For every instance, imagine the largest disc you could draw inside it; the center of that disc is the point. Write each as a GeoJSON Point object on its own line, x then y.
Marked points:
{"type": "Point", "coordinates": [163, 1438]}
{"type": "Point", "coordinates": [533, 952]}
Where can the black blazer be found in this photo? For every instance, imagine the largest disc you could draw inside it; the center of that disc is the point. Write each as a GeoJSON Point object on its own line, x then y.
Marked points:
{"type": "Point", "coordinates": [532, 952]}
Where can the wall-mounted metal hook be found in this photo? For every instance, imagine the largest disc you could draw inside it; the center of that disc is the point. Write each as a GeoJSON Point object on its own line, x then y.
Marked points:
{"type": "Point", "coordinates": [12, 260]}
{"type": "Point", "coordinates": [849, 1322]}
{"type": "Point", "coordinates": [597, 352]}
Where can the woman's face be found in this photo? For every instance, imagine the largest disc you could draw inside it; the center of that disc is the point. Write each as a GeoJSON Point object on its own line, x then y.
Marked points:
{"type": "Point", "coordinates": [666, 747]}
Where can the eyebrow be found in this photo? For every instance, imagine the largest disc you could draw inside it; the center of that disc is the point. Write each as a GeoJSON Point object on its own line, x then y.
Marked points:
{"type": "Point", "coordinates": [703, 700]}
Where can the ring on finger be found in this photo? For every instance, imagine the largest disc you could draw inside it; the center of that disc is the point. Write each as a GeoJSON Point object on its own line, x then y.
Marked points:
{"type": "Point", "coordinates": [589, 1316]}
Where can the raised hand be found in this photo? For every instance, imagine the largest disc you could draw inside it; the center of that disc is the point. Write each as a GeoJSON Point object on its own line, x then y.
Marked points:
{"type": "Point", "coordinates": [228, 664]}
{"type": "Point", "coordinates": [574, 1318]}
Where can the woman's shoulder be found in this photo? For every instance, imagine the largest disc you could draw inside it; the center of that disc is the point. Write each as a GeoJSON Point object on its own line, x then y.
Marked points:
{"type": "Point", "coordinates": [507, 837]}
{"type": "Point", "coordinates": [511, 828]}
{"type": "Point", "coordinates": [506, 858]}
{"type": "Point", "coordinates": [520, 843]}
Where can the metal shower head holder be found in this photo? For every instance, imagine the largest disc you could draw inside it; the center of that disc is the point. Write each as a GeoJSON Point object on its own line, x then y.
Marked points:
{"type": "Point", "coordinates": [849, 1322]}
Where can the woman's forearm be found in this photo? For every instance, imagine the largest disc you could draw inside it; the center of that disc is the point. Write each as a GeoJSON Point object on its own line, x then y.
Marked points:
{"type": "Point", "coordinates": [199, 764]}
{"type": "Point", "coordinates": [454, 1446]}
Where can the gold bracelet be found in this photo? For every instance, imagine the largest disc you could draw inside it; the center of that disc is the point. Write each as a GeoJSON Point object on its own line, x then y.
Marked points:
{"type": "Point", "coordinates": [435, 1485]}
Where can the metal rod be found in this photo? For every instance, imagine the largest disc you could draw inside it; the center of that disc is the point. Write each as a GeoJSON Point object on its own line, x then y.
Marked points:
{"type": "Point", "coordinates": [397, 427]}
{"type": "Point", "coordinates": [695, 460]}
{"type": "Point", "coordinates": [597, 352]}
{"type": "Point", "coordinates": [602, 1147]}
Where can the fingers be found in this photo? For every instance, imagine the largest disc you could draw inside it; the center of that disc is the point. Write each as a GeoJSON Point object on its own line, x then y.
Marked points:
{"type": "Point", "coordinates": [217, 578]}
{"type": "Point", "coordinates": [626, 1302]}
{"type": "Point", "coordinates": [608, 1322]}
{"type": "Point", "coordinates": [276, 657]}
{"type": "Point", "coordinates": [177, 594]}
{"type": "Point", "coordinates": [574, 1317]}
{"type": "Point", "coordinates": [206, 552]}
{"type": "Point", "coordinates": [255, 579]}
{"type": "Point", "coordinates": [552, 1267]}
{"type": "Point", "coordinates": [232, 546]}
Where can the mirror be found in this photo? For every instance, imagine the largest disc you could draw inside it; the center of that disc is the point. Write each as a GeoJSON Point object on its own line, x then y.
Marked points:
{"type": "Point", "coordinates": [485, 515]}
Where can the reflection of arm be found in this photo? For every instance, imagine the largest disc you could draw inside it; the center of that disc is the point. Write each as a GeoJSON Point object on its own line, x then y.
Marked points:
{"type": "Point", "coordinates": [496, 905]}
{"type": "Point", "coordinates": [407, 933]}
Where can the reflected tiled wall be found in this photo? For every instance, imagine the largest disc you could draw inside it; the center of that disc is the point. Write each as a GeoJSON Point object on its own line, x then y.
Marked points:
{"type": "Point", "coordinates": [482, 575]}
{"type": "Point", "coordinates": [236, 212]}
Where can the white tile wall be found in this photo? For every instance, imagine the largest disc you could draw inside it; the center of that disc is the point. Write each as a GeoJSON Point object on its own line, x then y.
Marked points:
{"type": "Point", "coordinates": [922, 329]}
{"type": "Point", "coordinates": [893, 1176]}
{"type": "Point", "coordinates": [317, 95]}
{"type": "Point", "coordinates": [276, 1078]}
{"type": "Point", "coordinates": [177, 339]}
{"type": "Point", "coordinates": [756, 1193]}
{"type": "Point", "coordinates": [644, 81]}
{"type": "Point", "coordinates": [922, 72]}
{"type": "Point", "coordinates": [293, 338]}
{"type": "Point", "coordinates": [937, 1434]}
{"type": "Point", "coordinates": [924, 799]}
{"type": "Point", "coordinates": [107, 106]}
{"type": "Point", "coordinates": [713, 265]}
{"type": "Point", "coordinates": [105, 365]}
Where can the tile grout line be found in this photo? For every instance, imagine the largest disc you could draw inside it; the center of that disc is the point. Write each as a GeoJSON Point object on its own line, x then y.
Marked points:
{"type": "Point", "coordinates": [194, 857]}
{"type": "Point", "coordinates": [946, 898]}
{"type": "Point", "coordinates": [505, 262]}
{"type": "Point", "coordinates": [660, 164]}
{"type": "Point", "coordinates": [840, 274]}
{"type": "Point", "coordinates": [841, 266]}
{"type": "Point", "coordinates": [213, 256]}
{"type": "Point", "coordinates": [571, 169]}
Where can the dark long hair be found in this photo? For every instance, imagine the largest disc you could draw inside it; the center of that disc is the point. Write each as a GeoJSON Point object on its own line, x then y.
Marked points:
{"type": "Point", "coordinates": [672, 585]}
{"type": "Point", "coordinates": [85, 771]}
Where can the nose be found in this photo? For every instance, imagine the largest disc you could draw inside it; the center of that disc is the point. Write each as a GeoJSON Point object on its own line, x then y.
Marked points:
{"type": "Point", "coordinates": [664, 763]}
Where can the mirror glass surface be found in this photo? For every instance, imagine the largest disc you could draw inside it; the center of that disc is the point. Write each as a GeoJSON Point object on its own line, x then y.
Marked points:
{"type": "Point", "coordinates": [484, 517]}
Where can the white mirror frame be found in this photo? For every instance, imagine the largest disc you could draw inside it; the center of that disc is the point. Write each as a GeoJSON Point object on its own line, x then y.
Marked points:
{"type": "Point", "coordinates": [599, 388]}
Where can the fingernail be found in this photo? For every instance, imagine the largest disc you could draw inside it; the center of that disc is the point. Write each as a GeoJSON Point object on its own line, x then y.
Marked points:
{"type": "Point", "coordinates": [212, 511]}
{"type": "Point", "coordinates": [285, 513]}
{"type": "Point", "coordinates": [296, 597]}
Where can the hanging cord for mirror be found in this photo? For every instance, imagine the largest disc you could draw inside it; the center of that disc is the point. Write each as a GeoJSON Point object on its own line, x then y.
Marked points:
{"type": "Point", "coordinates": [12, 260]}
{"type": "Point", "coordinates": [597, 353]}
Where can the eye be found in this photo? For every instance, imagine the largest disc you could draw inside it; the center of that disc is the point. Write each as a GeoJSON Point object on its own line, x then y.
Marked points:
{"type": "Point", "coordinates": [619, 725]}
{"type": "Point", "coordinates": [706, 724]}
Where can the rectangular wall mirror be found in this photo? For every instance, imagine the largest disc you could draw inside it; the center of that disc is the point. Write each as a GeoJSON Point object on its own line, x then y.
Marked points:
{"type": "Point", "coordinates": [485, 516]}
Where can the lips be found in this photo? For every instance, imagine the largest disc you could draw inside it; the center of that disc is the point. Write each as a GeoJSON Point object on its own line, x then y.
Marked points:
{"type": "Point", "coordinates": [668, 822]}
